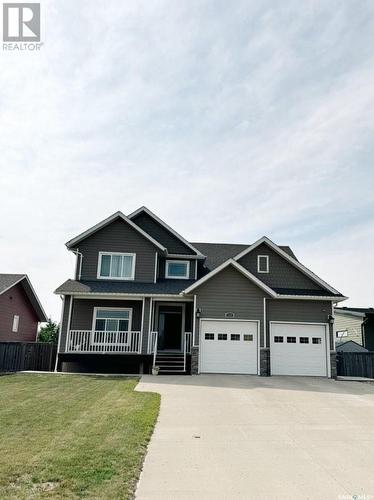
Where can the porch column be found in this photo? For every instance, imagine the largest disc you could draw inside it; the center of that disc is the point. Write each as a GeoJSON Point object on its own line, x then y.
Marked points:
{"type": "Point", "coordinates": [146, 315]}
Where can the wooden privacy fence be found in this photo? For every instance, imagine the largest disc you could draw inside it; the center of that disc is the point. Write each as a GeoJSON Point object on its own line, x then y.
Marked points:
{"type": "Point", "coordinates": [355, 364]}
{"type": "Point", "coordinates": [18, 356]}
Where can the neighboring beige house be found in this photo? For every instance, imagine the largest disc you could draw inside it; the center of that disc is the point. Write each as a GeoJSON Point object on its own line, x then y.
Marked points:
{"type": "Point", "coordinates": [356, 324]}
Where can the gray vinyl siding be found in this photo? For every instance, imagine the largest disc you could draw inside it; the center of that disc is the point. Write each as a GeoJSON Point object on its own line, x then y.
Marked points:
{"type": "Point", "coordinates": [350, 323]}
{"type": "Point", "coordinates": [307, 311]}
{"type": "Point", "coordinates": [161, 234]}
{"type": "Point", "coordinates": [65, 321]}
{"type": "Point", "coordinates": [118, 237]}
{"type": "Point", "coordinates": [230, 291]}
{"type": "Point", "coordinates": [162, 267]}
{"type": "Point", "coordinates": [281, 274]}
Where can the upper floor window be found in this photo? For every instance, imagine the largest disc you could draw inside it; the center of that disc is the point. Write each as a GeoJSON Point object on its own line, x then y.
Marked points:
{"type": "Point", "coordinates": [262, 263]}
{"type": "Point", "coordinates": [177, 269]}
{"type": "Point", "coordinates": [15, 323]}
{"type": "Point", "coordinates": [113, 265]}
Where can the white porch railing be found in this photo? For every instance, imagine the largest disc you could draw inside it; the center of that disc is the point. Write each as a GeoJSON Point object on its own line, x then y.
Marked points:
{"type": "Point", "coordinates": [151, 342]}
{"type": "Point", "coordinates": [98, 341]}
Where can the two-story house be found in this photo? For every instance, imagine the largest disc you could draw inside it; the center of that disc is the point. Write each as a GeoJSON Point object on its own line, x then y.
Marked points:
{"type": "Point", "coordinates": [143, 296]}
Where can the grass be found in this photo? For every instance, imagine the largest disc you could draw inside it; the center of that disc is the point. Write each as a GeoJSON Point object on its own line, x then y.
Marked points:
{"type": "Point", "coordinates": [72, 436]}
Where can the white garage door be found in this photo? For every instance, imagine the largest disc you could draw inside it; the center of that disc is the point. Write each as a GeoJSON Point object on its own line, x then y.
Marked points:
{"type": "Point", "coordinates": [228, 346]}
{"type": "Point", "coordinates": [298, 349]}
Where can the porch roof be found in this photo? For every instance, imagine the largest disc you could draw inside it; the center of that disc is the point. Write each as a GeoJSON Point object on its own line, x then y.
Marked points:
{"type": "Point", "coordinates": [166, 287]}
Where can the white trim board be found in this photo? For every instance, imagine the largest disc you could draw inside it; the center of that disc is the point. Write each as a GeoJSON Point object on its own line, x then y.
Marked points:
{"type": "Point", "coordinates": [121, 278]}
{"type": "Point", "coordinates": [165, 226]}
{"type": "Point", "coordinates": [289, 259]}
{"type": "Point", "coordinates": [95, 309]}
{"type": "Point", "coordinates": [175, 261]}
{"type": "Point", "coordinates": [238, 267]}
{"type": "Point", "coordinates": [107, 221]}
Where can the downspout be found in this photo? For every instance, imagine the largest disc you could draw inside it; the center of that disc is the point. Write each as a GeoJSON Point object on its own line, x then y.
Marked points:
{"type": "Point", "coordinates": [363, 338]}
{"type": "Point", "coordinates": [265, 326]}
{"type": "Point", "coordinates": [78, 253]}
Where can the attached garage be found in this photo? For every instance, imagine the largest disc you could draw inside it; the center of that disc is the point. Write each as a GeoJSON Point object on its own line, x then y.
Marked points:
{"type": "Point", "coordinates": [229, 346]}
{"type": "Point", "coordinates": [298, 349]}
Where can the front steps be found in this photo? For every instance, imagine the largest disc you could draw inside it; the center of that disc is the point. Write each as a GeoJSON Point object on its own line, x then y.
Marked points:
{"type": "Point", "coordinates": [170, 362]}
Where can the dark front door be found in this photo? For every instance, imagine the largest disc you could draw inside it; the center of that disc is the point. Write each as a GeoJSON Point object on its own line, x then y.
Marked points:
{"type": "Point", "coordinates": [170, 330]}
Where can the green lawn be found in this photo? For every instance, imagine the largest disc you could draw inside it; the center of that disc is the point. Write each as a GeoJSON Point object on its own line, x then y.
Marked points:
{"type": "Point", "coordinates": [70, 436]}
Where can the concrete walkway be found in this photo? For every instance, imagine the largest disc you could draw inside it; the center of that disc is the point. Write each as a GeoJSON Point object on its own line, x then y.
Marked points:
{"type": "Point", "coordinates": [246, 437]}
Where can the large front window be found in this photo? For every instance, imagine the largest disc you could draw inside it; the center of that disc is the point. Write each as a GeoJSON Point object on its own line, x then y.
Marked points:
{"type": "Point", "coordinates": [177, 269]}
{"type": "Point", "coordinates": [110, 325]}
{"type": "Point", "coordinates": [116, 266]}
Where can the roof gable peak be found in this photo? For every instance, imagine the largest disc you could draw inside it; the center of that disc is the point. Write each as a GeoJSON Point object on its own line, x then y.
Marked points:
{"type": "Point", "coordinates": [151, 214]}
{"type": "Point", "coordinates": [105, 222]}
{"type": "Point", "coordinates": [288, 258]}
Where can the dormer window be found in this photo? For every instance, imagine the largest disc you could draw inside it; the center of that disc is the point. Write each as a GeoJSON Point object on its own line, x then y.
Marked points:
{"type": "Point", "coordinates": [177, 269]}
{"type": "Point", "coordinates": [116, 266]}
{"type": "Point", "coordinates": [262, 263]}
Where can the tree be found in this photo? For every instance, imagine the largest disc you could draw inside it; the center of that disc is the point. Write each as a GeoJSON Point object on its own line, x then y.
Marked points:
{"type": "Point", "coordinates": [49, 332]}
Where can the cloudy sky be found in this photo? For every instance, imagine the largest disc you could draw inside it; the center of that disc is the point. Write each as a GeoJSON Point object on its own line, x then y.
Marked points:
{"type": "Point", "coordinates": [230, 120]}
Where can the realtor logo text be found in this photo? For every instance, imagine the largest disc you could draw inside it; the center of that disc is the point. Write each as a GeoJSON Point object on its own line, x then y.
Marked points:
{"type": "Point", "coordinates": [21, 26]}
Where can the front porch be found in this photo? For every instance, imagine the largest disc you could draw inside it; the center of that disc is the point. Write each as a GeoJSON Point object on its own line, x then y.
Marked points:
{"type": "Point", "coordinates": [146, 329]}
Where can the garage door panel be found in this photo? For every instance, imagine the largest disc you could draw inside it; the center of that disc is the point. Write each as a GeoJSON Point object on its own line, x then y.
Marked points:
{"type": "Point", "coordinates": [228, 346]}
{"type": "Point", "coordinates": [298, 349]}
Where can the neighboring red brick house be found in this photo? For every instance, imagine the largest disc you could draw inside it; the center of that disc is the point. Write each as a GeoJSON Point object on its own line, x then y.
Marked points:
{"type": "Point", "coordinates": [20, 309]}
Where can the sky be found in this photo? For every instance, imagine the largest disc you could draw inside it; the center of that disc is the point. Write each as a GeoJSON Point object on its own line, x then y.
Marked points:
{"type": "Point", "coordinates": [229, 120]}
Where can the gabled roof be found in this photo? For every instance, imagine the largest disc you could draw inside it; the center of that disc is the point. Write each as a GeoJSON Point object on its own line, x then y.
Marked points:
{"type": "Point", "coordinates": [217, 253]}
{"type": "Point", "coordinates": [117, 215]}
{"type": "Point", "coordinates": [238, 267]}
{"type": "Point", "coordinates": [358, 312]}
{"type": "Point", "coordinates": [146, 210]}
{"type": "Point", "coordinates": [289, 259]}
{"type": "Point", "coordinates": [8, 281]}
{"type": "Point", "coordinates": [277, 293]}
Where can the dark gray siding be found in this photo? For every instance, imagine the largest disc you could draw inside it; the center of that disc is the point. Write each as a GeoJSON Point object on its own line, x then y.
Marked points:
{"type": "Point", "coordinates": [65, 320]}
{"type": "Point", "coordinates": [118, 237]}
{"type": "Point", "coordinates": [298, 311]}
{"type": "Point", "coordinates": [230, 291]}
{"type": "Point", "coordinates": [162, 235]}
{"type": "Point", "coordinates": [83, 310]}
{"type": "Point", "coordinates": [162, 265]}
{"type": "Point", "coordinates": [147, 302]}
{"type": "Point", "coordinates": [281, 274]}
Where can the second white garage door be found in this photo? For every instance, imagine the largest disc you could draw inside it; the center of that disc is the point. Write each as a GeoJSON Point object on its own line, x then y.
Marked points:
{"type": "Point", "coordinates": [298, 349]}
{"type": "Point", "coordinates": [228, 346]}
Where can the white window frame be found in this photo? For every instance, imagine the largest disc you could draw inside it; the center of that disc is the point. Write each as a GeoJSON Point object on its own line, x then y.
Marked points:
{"type": "Point", "coordinates": [124, 254]}
{"type": "Point", "coordinates": [267, 264]}
{"type": "Point", "coordinates": [15, 324]}
{"type": "Point", "coordinates": [177, 262]}
{"type": "Point", "coordinates": [129, 309]}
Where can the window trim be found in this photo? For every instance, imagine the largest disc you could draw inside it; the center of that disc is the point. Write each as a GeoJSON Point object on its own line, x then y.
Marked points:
{"type": "Point", "coordinates": [168, 261]}
{"type": "Point", "coordinates": [267, 264]}
{"type": "Point", "coordinates": [15, 324]}
{"type": "Point", "coordinates": [94, 317]}
{"type": "Point", "coordinates": [122, 278]}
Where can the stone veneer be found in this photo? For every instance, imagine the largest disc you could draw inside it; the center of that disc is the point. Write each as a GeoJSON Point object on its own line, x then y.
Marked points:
{"type": "Point", "coordinates": [333, 364]}
{"type": "Point", "coordinates": [194, 360]}
{"type": "Point", "coordinates": [265, 362]}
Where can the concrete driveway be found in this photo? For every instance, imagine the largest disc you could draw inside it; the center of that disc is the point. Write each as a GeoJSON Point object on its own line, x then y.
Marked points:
{"type": "Point", "coordinates": [247, 437]}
